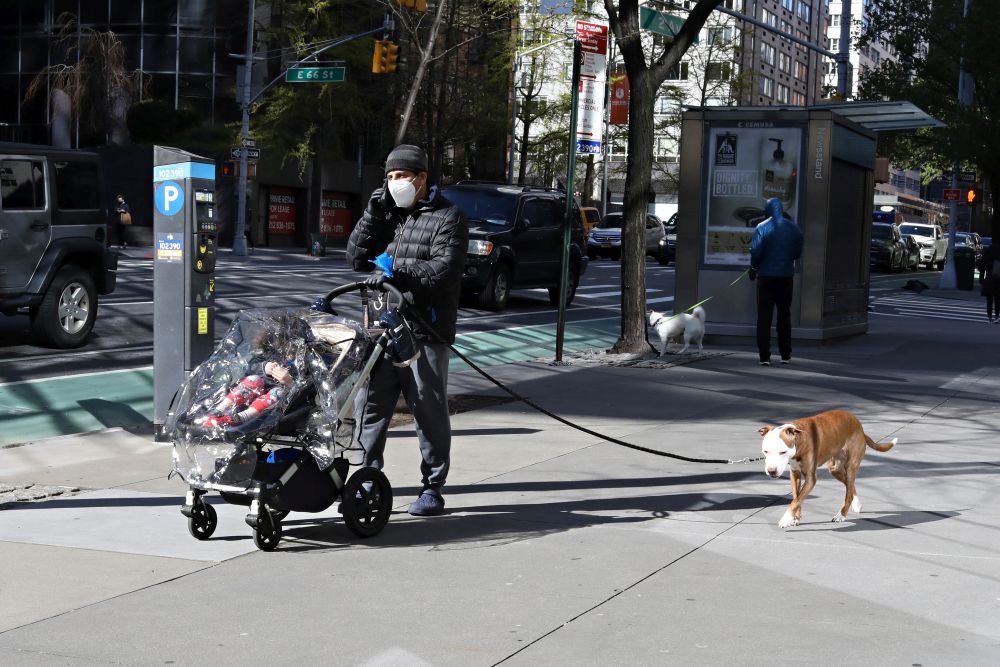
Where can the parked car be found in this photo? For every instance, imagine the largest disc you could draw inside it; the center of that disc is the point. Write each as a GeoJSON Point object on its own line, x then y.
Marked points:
{"type": "Point", "coordinates": [971, 240]}
{"type": "Point", "coordinates": [590, 217]}
{"type": "Point", "coordinates": [933, 242]}
{"type": "Point", "coordinates": [54, 260]}
{"type": "Point", "coordinates": [516, 241]}
{"type": "Point", "coordinates": [668, 244]}
{"type": "Point", "coordinates": [912, 255]}
{"type": "Point", "coordinates": [606, 239]}
{"type": "Point", "coordinates": [887, 248]}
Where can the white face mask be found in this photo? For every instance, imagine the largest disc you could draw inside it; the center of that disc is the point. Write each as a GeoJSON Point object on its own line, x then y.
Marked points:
{"type": "Point", "coordinates": [403, 192]}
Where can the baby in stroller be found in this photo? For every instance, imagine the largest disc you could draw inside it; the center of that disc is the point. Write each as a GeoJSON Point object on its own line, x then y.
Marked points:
{"type": "Point", "coordinates": [256, 394]}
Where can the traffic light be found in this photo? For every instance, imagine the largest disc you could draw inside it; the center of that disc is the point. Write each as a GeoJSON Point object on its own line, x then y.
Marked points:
{"type": "Point", "coordinates": [391, 51]}
{"type": "Point", "coordinates": [970, 195]}
{"type": "Point", "coordinates": [385, 57]}
{"type": "Point", "coordinates": [228, 169]}
{"type": "Point", "coordinates": [378, 60]}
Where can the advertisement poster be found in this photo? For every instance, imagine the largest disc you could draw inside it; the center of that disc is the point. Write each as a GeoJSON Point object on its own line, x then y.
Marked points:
{"type": "Point", "coordinates": [619, 99]}
{"type": "Point", "coordinates": [281, 211]}
{"type": "Point", "coordinates": [593, 78]}
{"type": "Point", "coordinates": [748, 164]}
{"type": "Point", "coordinates": [335, 215]}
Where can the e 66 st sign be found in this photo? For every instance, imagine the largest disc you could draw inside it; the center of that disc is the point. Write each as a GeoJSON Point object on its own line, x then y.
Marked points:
{"type": "Point", "coordinates": [315, 75]}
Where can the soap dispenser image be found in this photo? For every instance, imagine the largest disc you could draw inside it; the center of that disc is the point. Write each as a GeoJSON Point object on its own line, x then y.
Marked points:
{"type": "Point", "coordinates": [778, 175]}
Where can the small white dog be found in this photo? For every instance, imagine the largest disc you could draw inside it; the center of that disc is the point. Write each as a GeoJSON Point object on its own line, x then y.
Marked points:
{"type": "Point", "coordinates": [669, 327]}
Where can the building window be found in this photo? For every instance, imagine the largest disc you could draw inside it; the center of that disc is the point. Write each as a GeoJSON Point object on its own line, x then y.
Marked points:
{"type": "Point", "coordinates": [801, 71]}
{"type": "Point", "coordinates": [678, 72]}
{"type": "Point", "coordinates": [766, 86]}
{"type": "Point", "coordinates": [735, 5]}
{"type": "Point", "coordinates": [785, 63]}
{"type": "Point", "coordinates": [769, 18]}
{"type": "Point", "coordinates": [768, 54]}
{"type": "Point", "coordinates": [805, 11]}
{"type": "Point", "coordinates": [835, 21]}
{"type": "Point", "coordinates": [783, 94]}
{"type": "Point", "coordinates": [718, 71]}
{"type": "Point", "coordinates": [798, 99]}
{"type": "Point", "coordinates": [789, 5]}
{"type": "Point", "coordinates": [720, 35]}
{"type": "Point", "coordinates": [835, 45]}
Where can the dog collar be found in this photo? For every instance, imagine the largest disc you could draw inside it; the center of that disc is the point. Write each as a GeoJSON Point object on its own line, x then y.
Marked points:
{"type": "Point", "coordinates": [658, 320]}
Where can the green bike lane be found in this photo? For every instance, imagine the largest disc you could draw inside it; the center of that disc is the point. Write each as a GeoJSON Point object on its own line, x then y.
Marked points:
{"type": "Point", "coordinates": [37, 409]}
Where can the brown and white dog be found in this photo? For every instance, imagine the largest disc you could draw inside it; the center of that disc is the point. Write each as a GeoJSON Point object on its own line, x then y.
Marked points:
{"type": "Point", "coordinates": [834, 438]}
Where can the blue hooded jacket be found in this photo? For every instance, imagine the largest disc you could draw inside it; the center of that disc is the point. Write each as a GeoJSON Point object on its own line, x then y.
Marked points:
{"type": "Point", "coordinates": [776, 244]}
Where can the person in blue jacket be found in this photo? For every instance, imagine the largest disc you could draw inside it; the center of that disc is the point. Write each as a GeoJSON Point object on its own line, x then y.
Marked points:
{"type": "Point", "coordinates": [776, 244]}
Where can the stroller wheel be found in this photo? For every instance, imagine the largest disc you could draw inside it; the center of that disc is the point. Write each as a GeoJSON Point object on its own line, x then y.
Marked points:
{"type": "Point", "coordinates": [367, 502]}
{"type": "Point", "coordinates": [202, 521]}
{"type": "Point", "coordinates": [267, 534]}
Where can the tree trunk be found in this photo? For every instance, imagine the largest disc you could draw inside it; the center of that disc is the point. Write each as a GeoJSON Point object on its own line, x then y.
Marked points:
{"type": "Point", "coordinates": [523, 166]}
{"type": "Point", "coordinates": [637, 188]}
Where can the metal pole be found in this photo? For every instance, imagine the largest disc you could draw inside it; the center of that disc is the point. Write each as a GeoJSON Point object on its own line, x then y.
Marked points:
{"type": "Point", "coordinates": [844, 52]}
{"type": "Point", "coordinates": [607, 129]}
{"type": "Point", "coordinates": [568, 219]}
{"type": "Point", "coordinates": [513, 122]}
{"type": "Point", "coordinates": [239, 238]}
{"type": "Point", "coordinates": [949, 277]}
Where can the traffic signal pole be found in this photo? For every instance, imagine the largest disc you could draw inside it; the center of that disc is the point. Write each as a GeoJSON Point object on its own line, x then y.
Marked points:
{"type": "Point", "coordinates": [239, 233]}
{"type": "Point", "coordinates": [949, 277]}
{"type": "Point", "coordinates": [570, 199]}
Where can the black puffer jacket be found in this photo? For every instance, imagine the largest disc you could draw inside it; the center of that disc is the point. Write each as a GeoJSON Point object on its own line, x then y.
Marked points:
{"type": "Point", "coordinates": [428, 246]}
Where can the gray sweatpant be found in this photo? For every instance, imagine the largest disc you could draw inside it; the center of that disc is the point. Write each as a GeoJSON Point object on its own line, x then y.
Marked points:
{"type": "Point", "coordinates": [424, 385]}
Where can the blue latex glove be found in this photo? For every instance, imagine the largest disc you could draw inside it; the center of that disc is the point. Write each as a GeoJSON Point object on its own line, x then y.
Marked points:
{"type": "Point", "coordinates": [384, 263]}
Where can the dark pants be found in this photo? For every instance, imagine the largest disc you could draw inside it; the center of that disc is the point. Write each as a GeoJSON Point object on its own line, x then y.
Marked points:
{"type": "Point", "coordinates": [424, 385]}
{"type": "Point", "coordinates": [120, 232]}
{"type": "Point", "coordinates": [774, 293]}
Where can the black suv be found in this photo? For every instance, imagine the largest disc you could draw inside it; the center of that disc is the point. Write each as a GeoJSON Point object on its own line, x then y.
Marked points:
{"type": "Point", "coordinates": [54, 259]}
{"type": "Point", "coordinates": [516, 240]}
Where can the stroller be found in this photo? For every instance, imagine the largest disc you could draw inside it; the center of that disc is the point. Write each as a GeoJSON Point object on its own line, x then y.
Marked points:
{"type": "Point", "coordinates": [267, 421]}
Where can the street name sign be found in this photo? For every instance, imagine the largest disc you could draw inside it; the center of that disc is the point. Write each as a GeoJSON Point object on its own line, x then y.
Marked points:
{"type": "Point", "coordinates": [315, 75]}
{"type": "Point", "coordinates": [252, 153]}
{"type": "Point", "coordinates": [661, 23]}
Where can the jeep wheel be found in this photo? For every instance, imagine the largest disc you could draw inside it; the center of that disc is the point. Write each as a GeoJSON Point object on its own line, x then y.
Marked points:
{"type": "Point", "coordinates": [66, 314]}
{"type": "Point", "coordinates": [497, 291]}
{"type": "Point", "coordinates": [574, 280]}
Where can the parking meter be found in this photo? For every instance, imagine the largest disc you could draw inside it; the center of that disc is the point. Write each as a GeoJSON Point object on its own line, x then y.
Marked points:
{"type": "Point", "coordinates": [185, 239]}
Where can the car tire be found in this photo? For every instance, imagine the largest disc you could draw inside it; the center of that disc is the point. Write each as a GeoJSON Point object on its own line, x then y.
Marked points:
{"type": "Point", "coordinates": [66, 314]}
{"type": "Point", "coordinates": [574, 281]}
{"type": "Point", "coordinates": [615, 255]}
{"type": "Point", "coordinates": [663, 260]}
{"type": "Point", "coordinates": [497, 291]}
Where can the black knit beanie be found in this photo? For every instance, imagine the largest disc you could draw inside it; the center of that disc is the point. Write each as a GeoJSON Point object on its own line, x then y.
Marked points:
{"type": "Point", "coordinates": [405, 156]}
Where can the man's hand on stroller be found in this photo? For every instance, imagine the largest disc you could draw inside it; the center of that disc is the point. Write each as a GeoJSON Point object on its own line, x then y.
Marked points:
{"type": "Point", "coordinates": [376, 280]}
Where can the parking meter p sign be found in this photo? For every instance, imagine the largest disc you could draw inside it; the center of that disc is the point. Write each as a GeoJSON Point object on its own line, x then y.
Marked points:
{"type": "Point", "coordinates": [169, 198]}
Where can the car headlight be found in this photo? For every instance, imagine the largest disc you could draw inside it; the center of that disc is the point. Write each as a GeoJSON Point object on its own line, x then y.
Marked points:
{"type": "Point", "coordinates": [663, 242]}
{"type": "Point", "coordinates": [477, 247]}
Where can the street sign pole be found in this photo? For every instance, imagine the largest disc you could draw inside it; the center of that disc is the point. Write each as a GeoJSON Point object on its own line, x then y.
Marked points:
{"type": "Point", "coordinates": [239, 234]}
{"type": "Point", "coordinates": [568, 219]}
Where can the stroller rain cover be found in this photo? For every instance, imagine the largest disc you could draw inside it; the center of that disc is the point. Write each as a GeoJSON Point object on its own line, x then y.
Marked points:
{"type": "Point", "coordinates": [320, 357]}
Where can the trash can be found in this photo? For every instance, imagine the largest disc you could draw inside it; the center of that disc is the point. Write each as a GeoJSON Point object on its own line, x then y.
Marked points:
{"type": "Point", "coordinates": [317, 245]}
{"type": "Point", "coordinates": [965, 267]}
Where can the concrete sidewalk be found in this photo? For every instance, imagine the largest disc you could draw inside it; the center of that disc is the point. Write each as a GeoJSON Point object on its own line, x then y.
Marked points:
{"type": "Point", "coordinates": [558, 547]}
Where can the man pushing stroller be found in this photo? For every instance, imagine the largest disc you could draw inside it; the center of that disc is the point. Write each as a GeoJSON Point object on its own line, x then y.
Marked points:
{"type": "Point", "coordinates": [427, 237]}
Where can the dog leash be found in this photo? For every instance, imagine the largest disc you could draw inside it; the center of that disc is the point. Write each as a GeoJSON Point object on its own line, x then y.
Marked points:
{"type": "Point", "coordinates": [513, 394]}
{"type": "Point", "coordinates": [706, 300]}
